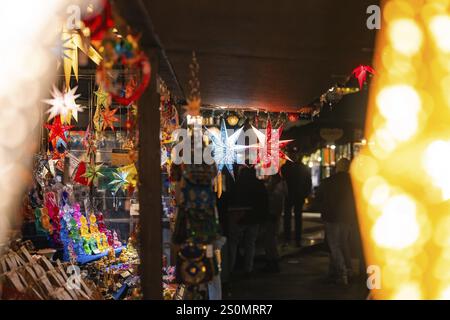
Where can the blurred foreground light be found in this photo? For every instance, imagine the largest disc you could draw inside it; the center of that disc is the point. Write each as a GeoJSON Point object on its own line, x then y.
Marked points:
{"type": "Point", "coordinates": [404, 205]}
{"type": "Point", "coordinates": [406, 37]}
{"type": "Point", "coordinates": [28, 31]}
{"type": "Point", "coordinates": [397, 227]}
{"type": "Point", "coordinates": [436, 162]}
{"type": "Point", "coordinates": [409, 291]}
{"type": "Point", "coordinates": [400, 105]}
{"type": "Point", "coordinates": [440, 27]}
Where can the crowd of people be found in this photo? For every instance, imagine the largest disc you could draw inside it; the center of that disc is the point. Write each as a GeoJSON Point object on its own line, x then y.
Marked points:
{"type": "Point", "coordinates": [253, 207]}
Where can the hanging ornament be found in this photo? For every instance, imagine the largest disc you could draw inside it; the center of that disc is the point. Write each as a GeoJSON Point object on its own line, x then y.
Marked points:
{"type": "Point", "coordinates": [194, 100]}
{"type": "Point", "coordinates": [269, 146]}
{"type": "Point", "coordinates": [64, 105]}
{"type": "Point", "coordinates": [74, 40]}
{"type": "Point", "coordinates": [93, 172]}
{"type": "Point", "coordinates": [132, 174]}
{"type": "Point", "coordinates": [142, 63]}
{"type": "Point", "coordinates": [108, 118]}
{"type": "Point", "coordinates": [57, 131]}
{"type": "Point", "coordinates": [80, 174]}
{"type": "Point", "coordinates": [361, 73]}
{"type": "Point", "coordinates": [293, 117]}
{"type": "Point", "coordinates": [224, 148]}
{"type": "Point", "coordinates": [99, 21]}
{"type": "Point", "coordinates": [120, 180]}
{"type": "Point", "coordinates": [102, 98]}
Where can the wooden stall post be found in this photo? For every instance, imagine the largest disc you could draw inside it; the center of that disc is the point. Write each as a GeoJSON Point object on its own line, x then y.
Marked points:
{"type": "Point", "coordinates": [150, 208]}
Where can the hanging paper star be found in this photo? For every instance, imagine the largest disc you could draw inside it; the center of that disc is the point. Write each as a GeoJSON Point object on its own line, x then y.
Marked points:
{"type": "Point", "coordinates": [74, 40]}
{"type": "Point", "coordinates": [102, 98]}
{"type": "Point", "coordinates": [132, 174]}
{"type": "Point", "coordinates": [269, 146]}
{"type": "Point", "coordinates": [79, 174]}
{"type": "Point", "coordinates": [225, 149]}
{"type": "Point", "coordinates": [361, 72]}
{"type": "Point", "coordinates": [193, 107]}
{"type": "Point", "coordinates": [108, 118]}
{"type": "Point", "coordinates": [64, 105]}
{"type": "Point", "coordinates": [120, 180]}
{"type": "Point", "coordinates": [57, 130]}
{"type": "Point", "coordinates": [93, 172]}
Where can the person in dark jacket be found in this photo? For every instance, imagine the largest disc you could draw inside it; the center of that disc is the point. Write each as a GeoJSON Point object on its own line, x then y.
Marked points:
{"type": "Point", "coordinates": [247, 211]}
{"type": "Point", "coordinates": [277, 189]}
{"type": "Point", "coordinates": [298, 179]}
{"type": "Point", "coordinates": [336, 202]}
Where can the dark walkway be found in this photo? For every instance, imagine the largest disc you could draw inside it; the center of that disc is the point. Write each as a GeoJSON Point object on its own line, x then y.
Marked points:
{"type": "Point", "coordinates": [302, 277]}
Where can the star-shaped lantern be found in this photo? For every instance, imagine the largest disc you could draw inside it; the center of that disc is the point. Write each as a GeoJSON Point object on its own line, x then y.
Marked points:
{"type": "Point", "coordinates": [64, 105]}
{"type": "Point", "coordinates": [72, 41]}
{"type": "Point", "coordinates": [120, 180]}
{"type": "Point", "coordinates": [269, 146]}
{"type": "Point", "coordinates": [57, 131]}
{"type": "Point", "coordinates": [193, 107]}
{"type": "Point", "coordinates": [93, 172]}
{"type": "Point", "coordinates": [224, 148]}
{"type": "Point", "coordinates": [361, 73]}
{"type": "Point", "coordinates": [108, 118]}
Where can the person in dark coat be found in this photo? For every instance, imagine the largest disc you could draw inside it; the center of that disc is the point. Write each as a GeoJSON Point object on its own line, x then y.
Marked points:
{"type": "Point", "coordinates": [298, 179]}
{"type": "Point", "coordinates": [277, 189]}
{"type": "Point", "coordinates": [336, 201]}
{"type": "Point", "coordinates": [248, 210]}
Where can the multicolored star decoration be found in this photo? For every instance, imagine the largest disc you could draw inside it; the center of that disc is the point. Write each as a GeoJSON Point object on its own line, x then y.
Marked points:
{"type": "Point", "coordinates": [120, 180]}
{"type": "Point", "coordinates": [269, 146]}
{"type": "Point", "coordinates": [361, 72]}
{"type": "Point", "coordinates": [193, 107]}
{"type": "Point", "coordinates": [103, 101]}
{"type": "Point", "coordinates": [57, 131]}
{"type": "Point", "coordinates": [64, 105]}
{"type": "Point", "coordinates": [93, 172]}
{"type": "Point", "coordinates": [225, 149]}
{"type": "Point", "coordinates": [132, 175]}
{"type": "Point", "coordinates": [108, 118]}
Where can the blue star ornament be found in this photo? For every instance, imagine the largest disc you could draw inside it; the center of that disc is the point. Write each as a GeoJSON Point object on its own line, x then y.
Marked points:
{"type": "Point", "coordinates": [225, 150]}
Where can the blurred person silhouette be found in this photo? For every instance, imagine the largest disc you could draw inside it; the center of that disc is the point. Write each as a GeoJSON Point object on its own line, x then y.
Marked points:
{"type": "Point", "coordinates": [298, 179]}
{"type": "Point", "coordinates": [277, 190]}
{"type": "Point", "coordinates": [247, 211]}
{"type": "Point", "coordinates": [335, 200]}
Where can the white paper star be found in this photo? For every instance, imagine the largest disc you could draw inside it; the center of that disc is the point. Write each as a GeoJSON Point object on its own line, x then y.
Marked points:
{"type": "Point", "coordinates": [225, 149]}
{"type": "Point", "coordinates": [64, 105]}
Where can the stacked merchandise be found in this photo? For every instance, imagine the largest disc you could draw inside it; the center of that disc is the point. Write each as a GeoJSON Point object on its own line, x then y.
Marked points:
{"type": "Point", "coordinates": [30, 276]}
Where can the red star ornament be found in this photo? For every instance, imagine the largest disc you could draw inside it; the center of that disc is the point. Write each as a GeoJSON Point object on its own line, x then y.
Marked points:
{"type": "Point", "coordinates": [57, 130]}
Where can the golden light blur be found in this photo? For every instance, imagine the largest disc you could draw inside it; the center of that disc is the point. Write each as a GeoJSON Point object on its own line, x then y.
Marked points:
{"type": "Point", "coordinates": [403, 205]}
{"type": "Point", "coordinates": [28, 30]}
